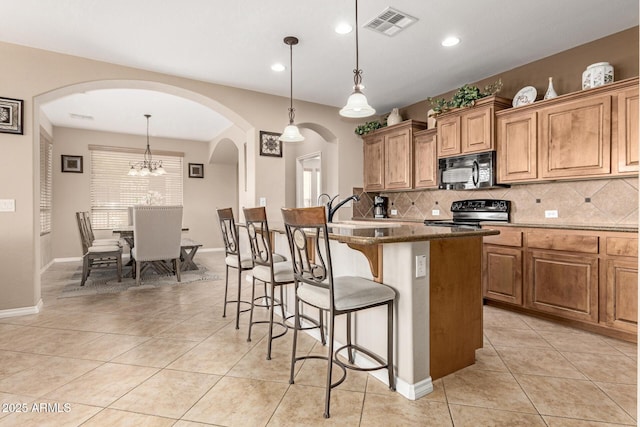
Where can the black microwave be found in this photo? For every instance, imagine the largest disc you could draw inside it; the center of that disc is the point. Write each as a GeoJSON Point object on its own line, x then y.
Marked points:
{"type": "Point", "coordinates": [469, 172]}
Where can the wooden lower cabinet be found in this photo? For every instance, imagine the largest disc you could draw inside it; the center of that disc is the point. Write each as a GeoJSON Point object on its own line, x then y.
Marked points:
{"type": "Point", "coordinates": [588, 279]}
{"type": "Point", "coordinates": [563, 284]}
{"type": "Point", "coordinates": [621, 294]}
{"type": "Point", "coordinates": [502, 273]}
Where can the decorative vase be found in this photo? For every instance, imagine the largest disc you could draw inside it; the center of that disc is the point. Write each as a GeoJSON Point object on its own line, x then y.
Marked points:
{"type": "Point", "coordinates": [431, 119]}
{"type": "Point", "coordinates": [597, 74]}
{"type": "Point", "coordinates": [550, 93]}
{"type": "Point", "coordinates": [394, 117]}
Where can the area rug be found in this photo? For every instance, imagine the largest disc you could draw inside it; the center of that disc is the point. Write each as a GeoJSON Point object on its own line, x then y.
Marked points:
{"type": "Point", "coordinates": [105, 281]}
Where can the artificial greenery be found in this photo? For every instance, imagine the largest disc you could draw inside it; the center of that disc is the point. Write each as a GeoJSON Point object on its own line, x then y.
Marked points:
{"type": "Point", "coordinates": [369, 127]}
{"type": "Point", "coordinates": [466, 96]}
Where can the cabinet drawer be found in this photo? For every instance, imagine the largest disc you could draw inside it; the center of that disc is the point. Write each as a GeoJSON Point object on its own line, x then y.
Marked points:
{"type": "Point", "coordinates": [563, 242]}
{"type": "Point", "coordinates": [622, 246]}
{"type": "Point", "coordinates": [505, 238]}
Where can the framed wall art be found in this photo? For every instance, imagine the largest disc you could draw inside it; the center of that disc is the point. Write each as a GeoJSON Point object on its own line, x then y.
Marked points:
{"type": "Point", "coordinates": [11, 115]}
{"type": "Point", "coordinates": [196, 170]}
{"type": "Point", "coordinates": [270, 145]}
{"type": "Point", "coordinates": [71, 163]}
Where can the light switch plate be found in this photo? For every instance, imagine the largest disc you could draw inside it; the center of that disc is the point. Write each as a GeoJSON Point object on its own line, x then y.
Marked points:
{"type": "Point", "coordinates": [263, 201]}
{"type": "Point", "coordinates": [7, 205]}
{"type": "Point", "coordinates": [435, 212]}
{"type": "Point", "coordinates": [551, 214]}
{"type": "Point", "coordinates": [394, 212]}
{"type": "Point", "coordinates": [421, 266]}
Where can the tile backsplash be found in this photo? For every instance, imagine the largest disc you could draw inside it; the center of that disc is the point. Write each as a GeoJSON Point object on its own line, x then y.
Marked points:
{"type": "Point", "coordinates": [593, 202]}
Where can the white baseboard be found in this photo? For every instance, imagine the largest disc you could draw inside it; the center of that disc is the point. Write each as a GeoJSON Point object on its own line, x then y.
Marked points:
{"type": "Point", "coordinates": [71, 259]}
{"type": "Point", "coordinates": [22, 311]}
{"type": "Point", "coordinates": [211, 250]}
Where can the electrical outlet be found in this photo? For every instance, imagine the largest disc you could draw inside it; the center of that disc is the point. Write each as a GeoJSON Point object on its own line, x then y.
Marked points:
{"type": "Point", "coordinates": [263, 201]}
{"type": "Point", "coordinates": [7, 205]}
{"type": "Point", "coordinates": [394, 212]}
{"type": "Point", "coordinates": [421, 266]}
{"type": "Point", "coordinates": [435, 212]}
{"type": "Point", "coordinates": [551, 214]}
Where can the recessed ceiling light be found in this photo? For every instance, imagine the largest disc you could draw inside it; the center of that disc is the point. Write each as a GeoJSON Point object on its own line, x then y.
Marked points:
{"type": "Point", "coordinates": [343, 28]}
{"type": "Point", "coordinates": [277, 67]}
{"type": "Point", "coordinates": [450, 41]}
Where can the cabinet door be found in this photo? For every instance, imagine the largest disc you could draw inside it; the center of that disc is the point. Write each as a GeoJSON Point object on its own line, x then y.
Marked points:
{"type": "Point", "coordinates": [476, 128]}
{"type": "Point", "coordinates": [398, 160]}
{"type": "Point", "coordinates": [502, 274]}
{"type": "Point", "coordinates": [426, 163]}
{"type": "Point", "coordinates": [628, 131]}
{"type": "Point", "coordinates": [563, 284]}
{"type": "Point", "coordinates": [575, 138]}
{"type": "Point", "coordinates": [518, 147]}
{"type": "Point", "coordinates": [373, 147]}
{"type": "Point", "coordinates": [622, 294]}
{"type": "Point", "coordinates": [449, 136]}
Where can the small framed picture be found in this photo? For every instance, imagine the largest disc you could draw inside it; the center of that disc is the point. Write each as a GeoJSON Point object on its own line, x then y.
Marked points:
{"type": "Point", "coordinates": [71, 164]}
{"type": "Point", "coordinates": [270, 145]}
{"type": "Point", "coordinates": [196, 170]}
{"type": "Point", "coordinates": [11, 115]}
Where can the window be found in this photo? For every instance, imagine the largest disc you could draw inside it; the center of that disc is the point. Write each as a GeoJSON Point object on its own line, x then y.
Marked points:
{"type": "Point", "coordinates": [113, 191]}
{"type": "Point", "coordinates": [46, 186]}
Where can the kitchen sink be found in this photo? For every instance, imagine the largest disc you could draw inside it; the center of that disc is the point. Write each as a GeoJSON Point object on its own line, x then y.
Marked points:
{"type": "Point", "coordinates": [363, 224]}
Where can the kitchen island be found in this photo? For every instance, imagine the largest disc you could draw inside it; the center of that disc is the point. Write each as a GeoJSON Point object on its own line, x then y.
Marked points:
{"type": "Point", "coordinates": [436, 272]}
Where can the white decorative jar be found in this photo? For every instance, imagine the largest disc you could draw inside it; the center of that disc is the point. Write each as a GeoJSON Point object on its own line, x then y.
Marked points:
{"type": "Point", "coordinates": [597, 74]}
{"type": "Point", "coordinates": [394, 117]}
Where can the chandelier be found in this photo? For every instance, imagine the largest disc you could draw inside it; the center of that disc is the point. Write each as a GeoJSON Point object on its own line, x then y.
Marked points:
{"type": "Point", "coordinates": [148, 166]}
{"type": "Point", "coordinates": [291, 132]}
{"type": "Point", "coordinates": [357, 105]}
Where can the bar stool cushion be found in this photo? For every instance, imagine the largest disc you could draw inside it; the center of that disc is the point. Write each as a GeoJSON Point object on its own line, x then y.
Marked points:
{"type": "Point", "coordinates": [350, 293]}
{"type": "Point", "coordinates": [105, 242]}
{"type": "Point", "coordinates": [282, 273]}
{"type": "Point", "coordinates": [278, 258]}
{"type": "Point", "coordinates": [245, 261]}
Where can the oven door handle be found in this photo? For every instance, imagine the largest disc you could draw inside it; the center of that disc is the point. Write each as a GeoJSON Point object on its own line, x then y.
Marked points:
{"type": "Point", "coordinates": [475, 173]}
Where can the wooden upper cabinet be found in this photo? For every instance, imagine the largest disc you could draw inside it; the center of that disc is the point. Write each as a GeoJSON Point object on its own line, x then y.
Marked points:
{"type": "Point", "coordinates": [388, 157]}
{"type": "Point", "coordinates": [448, 136]}
{"type": "Point", "coordinates": [517, 146]}
{"type": "Point", "coordinates": [373, 146]}
{"type": "Point", "coordinates": [627, 143]}
{"type": "Point", "coordinates": [575, 138]}
{"type": "Point", "coordinates": [425, 170]}
{"type": "Point", "coordinates": [476, 128]}
{"type": "Point", "coordinates": [398, 159]}
{"type": "Point", "coordinates": [470, 129]}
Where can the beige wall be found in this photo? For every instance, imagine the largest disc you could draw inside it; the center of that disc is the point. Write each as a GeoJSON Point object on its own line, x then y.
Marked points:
{"type": "Point", "coordinates": [32, 74]}
{"type": "Point", "coordinates": [201, 196]}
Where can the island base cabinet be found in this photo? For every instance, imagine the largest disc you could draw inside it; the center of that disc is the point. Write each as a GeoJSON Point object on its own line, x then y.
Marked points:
{"type": "Point", "coordinates": [502, 274]}
{"type": "Point", "coordinates": [622, 294]}
{"type": "Point", "coordinates": [563, 284]}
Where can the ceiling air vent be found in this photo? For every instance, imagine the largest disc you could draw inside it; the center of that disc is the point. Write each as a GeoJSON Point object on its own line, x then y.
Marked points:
{"type": "Point", "coordinates": [390, 22]}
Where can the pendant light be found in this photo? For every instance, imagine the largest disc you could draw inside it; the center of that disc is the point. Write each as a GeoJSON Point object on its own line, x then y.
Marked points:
{"type": "Point", "coordinates": [147, 166]}
{"type": "Point", "coordinates": [357, 105]}
{"type": "Point", "coordinates": [291, 132]}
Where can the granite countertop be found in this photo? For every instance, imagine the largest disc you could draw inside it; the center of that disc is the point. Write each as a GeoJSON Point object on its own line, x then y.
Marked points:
{"type": "Point", "coordinates": [366, 232]}
{"type": "Point", "coordinates": [595, 227]}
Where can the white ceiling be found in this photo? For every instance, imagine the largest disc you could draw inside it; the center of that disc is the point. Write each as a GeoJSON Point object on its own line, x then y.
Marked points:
{"type": "Point", "coordinates": [234, 43]}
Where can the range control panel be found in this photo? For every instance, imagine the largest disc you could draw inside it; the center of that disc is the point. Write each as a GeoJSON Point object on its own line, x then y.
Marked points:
{"type": "Point", "coordinates": [481, 205]}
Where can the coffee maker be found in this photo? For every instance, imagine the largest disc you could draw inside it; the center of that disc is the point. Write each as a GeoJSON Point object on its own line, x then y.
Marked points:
{"type": "Point", "coordinates": [380, 206]}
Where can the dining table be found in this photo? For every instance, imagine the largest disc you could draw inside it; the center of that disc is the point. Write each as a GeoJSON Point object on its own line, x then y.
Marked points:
{"type": "Point", "coordinates": [188, 250]}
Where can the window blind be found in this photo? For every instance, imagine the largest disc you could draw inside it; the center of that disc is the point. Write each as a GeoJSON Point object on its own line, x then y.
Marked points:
{"type": "Point", "coordinates": [113, 191]}
{"type": "Point", "coordinates": [46, 183]}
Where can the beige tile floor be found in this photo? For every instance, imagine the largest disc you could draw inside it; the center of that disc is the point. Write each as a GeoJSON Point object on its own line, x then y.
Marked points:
{"type": "Point", "coordinates": [166, 357]}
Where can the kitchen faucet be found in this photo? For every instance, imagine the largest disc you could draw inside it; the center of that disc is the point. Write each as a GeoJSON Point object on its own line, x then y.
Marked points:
{"type": "Point", "coordinates": [332, 209]}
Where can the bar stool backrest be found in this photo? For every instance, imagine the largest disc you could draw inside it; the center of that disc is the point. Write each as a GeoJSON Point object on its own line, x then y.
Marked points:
{"type": "Point", "coordinates": [229, 232]}
{"type": "Point", "coordinates": [259, 236]}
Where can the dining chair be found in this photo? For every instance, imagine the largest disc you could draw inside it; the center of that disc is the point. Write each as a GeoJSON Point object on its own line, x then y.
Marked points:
{"type": "Point", "coordinates": [269, 268]}
{"type": "Point", "coordinates": [315, 284]}
{"type": "Point", "coordinates": [233, 259]}
{"type": "Point", "coordinates": [97, 256]}
{"type": "Point", "coordinates": [91, 235]}
{"type": "Point", "coordinates": [157, 232]}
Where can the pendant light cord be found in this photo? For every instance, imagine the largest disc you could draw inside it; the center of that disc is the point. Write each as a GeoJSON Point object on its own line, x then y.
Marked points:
{"type": "Point", "coordinates": [291, 111]}
{"type": "Point", "coordinates": [357, 78]}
